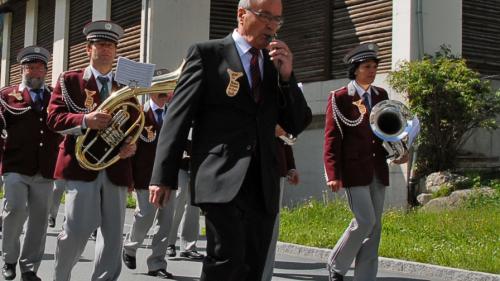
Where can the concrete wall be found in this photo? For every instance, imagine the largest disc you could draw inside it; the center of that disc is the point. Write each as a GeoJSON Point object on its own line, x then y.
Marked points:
{"type": "Point", "coordinates": [173, 26]}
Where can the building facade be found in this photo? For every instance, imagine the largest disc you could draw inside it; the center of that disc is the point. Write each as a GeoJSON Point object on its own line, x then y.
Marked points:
{"type": "Point", "coordinates": [319, 33]}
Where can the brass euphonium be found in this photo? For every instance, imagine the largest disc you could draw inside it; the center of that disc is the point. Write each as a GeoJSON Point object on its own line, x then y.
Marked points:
{"type": "Point", "coordinates": [393, 123]}
{"type": "Point", "coordinates": [98, 149]}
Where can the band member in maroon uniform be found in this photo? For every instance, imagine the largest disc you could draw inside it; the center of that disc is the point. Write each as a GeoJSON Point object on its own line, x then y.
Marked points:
{"type": "Point", "coordinates": [145, 212]}
{"type": "Point", "coordinates": [94, 199]}
{"type": "Point", "coordinates": [28, 160]}
{"type": "Point", "coordinates": [355, 159]}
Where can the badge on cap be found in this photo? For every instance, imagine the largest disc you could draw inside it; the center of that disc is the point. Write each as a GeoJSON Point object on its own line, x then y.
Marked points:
{"type": "Point", "coordinates": [89, 99]}
{"type": "Point", "coordinates": [234, 86]}
{"type": "Point", "coordinates": [108, 26]}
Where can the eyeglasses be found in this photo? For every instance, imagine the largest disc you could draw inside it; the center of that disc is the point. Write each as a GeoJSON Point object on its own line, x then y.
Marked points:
{"type": "Point", "coordinates": [267, 18]}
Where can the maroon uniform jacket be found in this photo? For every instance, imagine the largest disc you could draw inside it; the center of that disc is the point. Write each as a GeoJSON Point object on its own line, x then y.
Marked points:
{"type": "Point", "coordinates": [75, 92]}
{"type": "Point", "coordinates": [30, 146]}
{"type": "Point", "coordinates": [354, 155]}
{"type": "Point", "coordinates": [143, 160]}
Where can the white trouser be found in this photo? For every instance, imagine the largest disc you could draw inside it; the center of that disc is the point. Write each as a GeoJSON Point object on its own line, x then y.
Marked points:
{"type": "Point", "coordinates": [57, 193]}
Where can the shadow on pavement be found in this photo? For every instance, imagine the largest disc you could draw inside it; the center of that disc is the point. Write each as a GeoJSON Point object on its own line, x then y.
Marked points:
{"type": "Point", "coordinates": [346, 278]}
{"type": "Point", "coordinates": [299, 265]}
{"type": "Point", "coordinates": [145, 276]}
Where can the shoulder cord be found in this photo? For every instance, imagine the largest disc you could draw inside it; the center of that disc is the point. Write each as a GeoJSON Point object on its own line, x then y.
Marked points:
{"type": "Point", "coordinates": [146, 140]}
{"type": "Point", "coordinates": [338, 115]}
{"type": "Point", "coordinates": [69, 102]}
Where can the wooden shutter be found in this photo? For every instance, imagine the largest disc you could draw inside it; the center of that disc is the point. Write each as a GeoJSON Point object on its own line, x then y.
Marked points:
{"type": "Point", "coordinates": [80, 13]}
{"type": "Point", "coordinates": [16, 41]}
{"type": "Point", "coordinates": [360, 21]}
{"type": "Point", "coordinates": [222, 17]}
{"type": "Point", "coordinates": [45, 30]}
{"type": "Point", "coordinates": [481, 35]}
{"type": "Point", "coordinates": [306, 30]}
{"type": "Point", "coordinates": [128, 15]}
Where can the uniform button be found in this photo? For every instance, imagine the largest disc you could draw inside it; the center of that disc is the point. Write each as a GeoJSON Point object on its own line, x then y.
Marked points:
{"type": "Point", "coordinates": [249, 147]}
{"type": "Point", "coordinates": [373, 154]}
{"type": "Point", "coordinates": [41, 119]}
{"type": "Point", "coordinates": [373, 141]}
{"type": "Point", "coordinates": [41, 131]}
{"type": "Point", "coordinates": [41, 144]}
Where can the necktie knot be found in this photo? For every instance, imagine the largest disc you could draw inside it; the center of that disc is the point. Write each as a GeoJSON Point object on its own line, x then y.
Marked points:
{"type": "Point", "coordinates": [103, 94]}
{"type": "Point", "coordinates": [37, 102]}
{"type": "Point", "coordinates": [254, 51]}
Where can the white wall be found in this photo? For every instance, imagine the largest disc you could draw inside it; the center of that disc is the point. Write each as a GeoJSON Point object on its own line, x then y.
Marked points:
{"type": "Point", "coordinates": [442, 23]}
{"type": "Point", "coordinates": [4, 70]}
{"type": "Point", "coordinates": [60, 47]}
{"type": "Point", "coordinates": [173, 26]}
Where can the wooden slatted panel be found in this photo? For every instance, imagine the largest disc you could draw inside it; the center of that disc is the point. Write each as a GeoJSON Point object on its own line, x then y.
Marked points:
{"type": "Point", "coordinates": [80, 13]}
{"type": "Point", "coordinates": [128, 15]}
{"type": "Point", "coordinates": [16, 41]}
{"type": "Point", "coordinates": [481, 35]}
{"type": "Point", "coordinates": [222, 17]}
{"type": "Point", "coordinates": [360, 21]}
{"type": "Point", "coordinates": [306, 30]}
{"type": "Point", "coordinates": [45, 30]}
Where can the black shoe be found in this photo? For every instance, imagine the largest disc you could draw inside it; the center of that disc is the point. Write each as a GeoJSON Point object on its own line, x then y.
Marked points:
{"type": "Point", "coordinates": [171, 251]}
{"type": "Point", "coordinates": [192, 255]}
{"type": "Point", "coordinates": [128, 260]}
{"type": "Point", "coordinates": [9, 271]}
{"type": "Point", "coordinates": [162, 273]}
{"type": "Point", "coordinates": [335, 276]}
{"type": "Point", "coordinates": [29, 276]}
{"type": "Point", "coordinates": [52, 222]}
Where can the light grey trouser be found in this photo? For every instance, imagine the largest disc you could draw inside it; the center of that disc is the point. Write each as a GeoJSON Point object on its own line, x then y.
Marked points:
{"type": "Point", "coordinates": [26, 197]}
{"type": "Point", "coordinates": [186, 215]}
{"type": "Point", "coordinates": [267, 273]}
{"type": "Point", "coordinates": [89, 205]}
{"type": "Point", "coordinates": [57, 193]}
{"type": "Point", "coordinates": [362, 237]}
{"type": "Point", "coordinates": [144, 216]}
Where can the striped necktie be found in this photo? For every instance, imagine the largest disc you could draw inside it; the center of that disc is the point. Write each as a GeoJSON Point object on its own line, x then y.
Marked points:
{"type": "Point", "coordinates": [366, 101]}
{"type": "Point", "coordinates": [255, 72]}
{"type": "Point", "coordinates": [103, 94]}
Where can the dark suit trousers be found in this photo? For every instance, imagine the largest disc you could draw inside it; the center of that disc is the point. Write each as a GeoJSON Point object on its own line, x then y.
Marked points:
{"type": "Point", "coordinates": [238, 233]}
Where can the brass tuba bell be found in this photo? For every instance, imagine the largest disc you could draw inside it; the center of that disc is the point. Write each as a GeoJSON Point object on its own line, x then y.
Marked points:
{"type": "Point", "coordinates": [392, 122]}
{"type": "Point", "coordinates": [98, 149]}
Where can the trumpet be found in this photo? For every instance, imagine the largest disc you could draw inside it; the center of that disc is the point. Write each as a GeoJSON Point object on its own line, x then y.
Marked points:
{"type": "Point", "coordinates": [98, 149]}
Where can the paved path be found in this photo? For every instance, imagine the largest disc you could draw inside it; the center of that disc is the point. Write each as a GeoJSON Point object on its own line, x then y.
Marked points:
{"type": "Point", "coordinates": [287, 267]}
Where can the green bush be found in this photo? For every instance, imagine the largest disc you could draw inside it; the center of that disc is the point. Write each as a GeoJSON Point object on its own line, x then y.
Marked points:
{"type": "Point", "coordinates": [450, 100]}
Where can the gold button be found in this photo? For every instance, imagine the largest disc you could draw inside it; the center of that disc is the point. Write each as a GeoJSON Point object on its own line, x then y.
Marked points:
{"type": "Point", "coordinates": [41, 131]}
{"type": "Point", "coordinates": [41, 144]}
{"type": "Point", "coordinates": [373, 154]}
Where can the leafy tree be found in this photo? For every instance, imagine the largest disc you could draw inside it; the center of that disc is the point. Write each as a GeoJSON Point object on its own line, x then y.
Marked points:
{"type": "Point", "coordinates": [450, 100]}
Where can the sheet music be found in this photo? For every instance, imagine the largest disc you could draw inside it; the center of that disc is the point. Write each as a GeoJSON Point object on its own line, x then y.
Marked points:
{"type": "Point", "coordinates": [134, 74]}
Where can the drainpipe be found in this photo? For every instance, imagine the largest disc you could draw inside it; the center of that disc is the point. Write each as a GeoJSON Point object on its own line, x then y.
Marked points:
{"type": "Point", "coordinates": [420, 30]}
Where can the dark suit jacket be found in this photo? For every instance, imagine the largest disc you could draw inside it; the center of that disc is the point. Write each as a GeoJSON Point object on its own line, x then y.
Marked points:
{"type": "Point", "coordinates": [226, 128]}
{"type": "Point", "coordinates": [354, 158]}
{"type": "Point", "coordinates": [143, 160]}
{"type": "Point", "coordinates": [30, 146]}
{"type": "Point", "coordinates": [80, 86]}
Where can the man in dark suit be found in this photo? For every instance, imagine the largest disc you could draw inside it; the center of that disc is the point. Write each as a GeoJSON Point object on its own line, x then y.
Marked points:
{"type": "Point", "coordinates": [354, 158]}
{"type": "Point", "coordinates": [233, 92]}
{"type": "Point", "coordinates": [94, 199]}
{"type": "Point", "coordinates": [28, 160]}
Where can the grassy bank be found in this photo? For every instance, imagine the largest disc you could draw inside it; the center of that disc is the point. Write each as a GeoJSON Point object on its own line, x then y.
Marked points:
{"type": "Point", "coordinates": [467, 238]}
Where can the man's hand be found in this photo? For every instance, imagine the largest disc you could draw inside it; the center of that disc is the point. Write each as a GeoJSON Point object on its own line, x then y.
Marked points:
{"type": "Point", "coordinates": [293, 177]}
{"type": "Point", "coordinates": [401, 160]}
{"type": "Point", "coordinates": [128, 149]}
{"type": "Point", "coordinates": [97, 120]}
{"type": "Point", "coordinates": [334, 185]}
{"type": "Point", "coordinates": [282, 58]}
{"type": "Point", "coordinates": [159, 195]}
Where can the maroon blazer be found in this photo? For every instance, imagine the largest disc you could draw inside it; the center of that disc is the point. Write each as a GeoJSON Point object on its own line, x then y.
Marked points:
{"type": "Point", "coordinates": [30, 146]}
{"type": "Point", "coordinates": [358, 155]}
{"type": "Point", "coordinates": [66, 116]}
{"type": "Point", "coordinates": [286, 161]}
{"type": "Point", "coordinates": [143, 160]}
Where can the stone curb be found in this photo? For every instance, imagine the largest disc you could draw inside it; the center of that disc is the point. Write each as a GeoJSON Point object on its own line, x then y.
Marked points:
{"type": "Point", "coordinates": [402, 266]}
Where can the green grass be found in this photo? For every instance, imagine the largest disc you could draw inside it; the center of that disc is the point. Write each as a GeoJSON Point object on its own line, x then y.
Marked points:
{"type": "Point", "coordinates": [467, 238]}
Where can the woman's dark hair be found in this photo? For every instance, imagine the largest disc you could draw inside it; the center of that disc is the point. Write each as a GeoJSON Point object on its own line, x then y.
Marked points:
{"type": "Point", "coordinates": [351, 68]}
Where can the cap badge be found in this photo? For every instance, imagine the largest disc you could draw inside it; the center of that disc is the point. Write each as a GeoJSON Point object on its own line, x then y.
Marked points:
{"type": "Point", "coordinates": [234, 86]}
{"type": "Point", "coordinates": [108, 26]}
{"type": "Point", "coordinates": [151, 134]}
{"type": "Point", "coordinates": [37, 50]}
